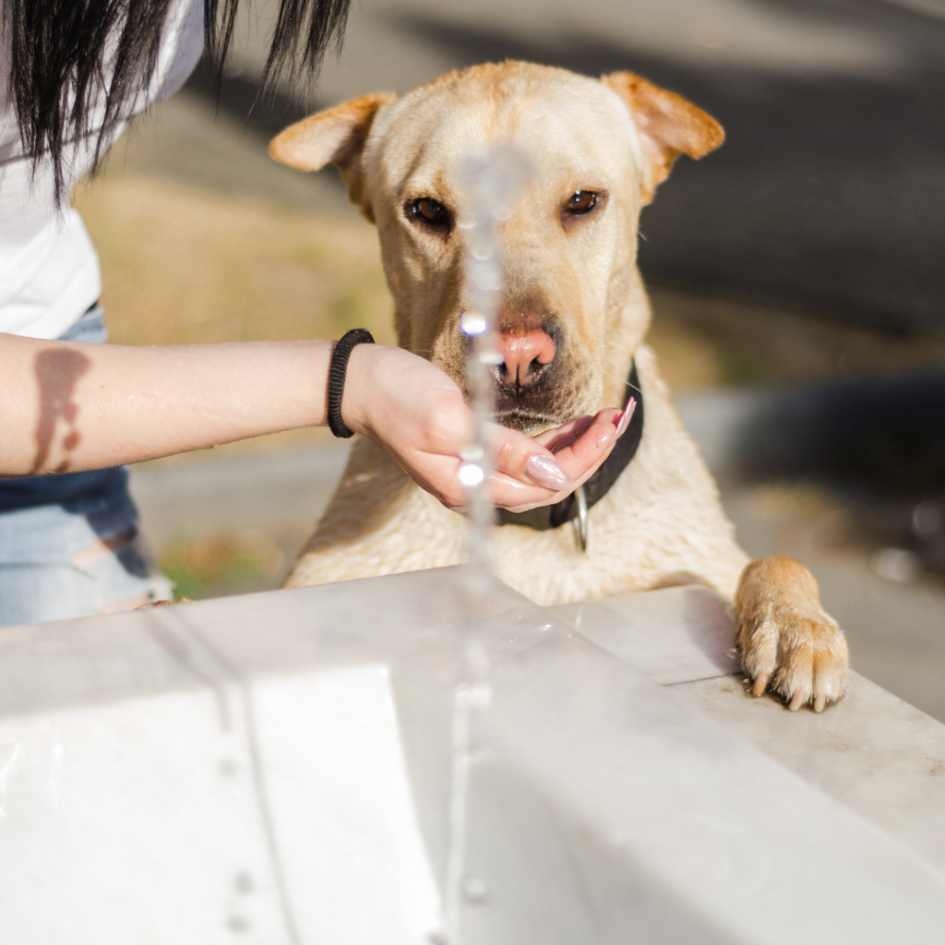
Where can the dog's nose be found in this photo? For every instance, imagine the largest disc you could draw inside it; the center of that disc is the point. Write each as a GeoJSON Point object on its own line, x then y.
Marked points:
{"type": "Point", "coordinates": [525, 353]}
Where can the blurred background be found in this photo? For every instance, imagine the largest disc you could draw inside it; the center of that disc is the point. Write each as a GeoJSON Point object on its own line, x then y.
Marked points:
{"type": "Point", "coordinates": [797, 278]}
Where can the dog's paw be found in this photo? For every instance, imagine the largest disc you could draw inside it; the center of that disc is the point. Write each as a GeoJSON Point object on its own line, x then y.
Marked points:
{"type": "Point", "coordinates": [803, 657]}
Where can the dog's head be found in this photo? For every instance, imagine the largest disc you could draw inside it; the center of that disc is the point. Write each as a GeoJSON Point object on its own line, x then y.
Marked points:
{"type": "Point", "coordinates": [573, 308]}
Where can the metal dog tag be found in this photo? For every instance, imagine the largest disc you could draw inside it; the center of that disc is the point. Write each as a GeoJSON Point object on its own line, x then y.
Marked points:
{"type": "Point", "coordinates": [581, 522]}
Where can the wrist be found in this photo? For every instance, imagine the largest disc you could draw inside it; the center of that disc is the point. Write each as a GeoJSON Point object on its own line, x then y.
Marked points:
{"type": "Point", "coordinates": [356, 401]}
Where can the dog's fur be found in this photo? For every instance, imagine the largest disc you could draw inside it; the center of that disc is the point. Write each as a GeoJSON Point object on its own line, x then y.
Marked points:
{"type": "Point", "coordinates": [662, 523]}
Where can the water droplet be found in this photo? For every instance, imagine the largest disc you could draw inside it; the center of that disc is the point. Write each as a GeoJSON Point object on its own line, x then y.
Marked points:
{"type": "Point", "coordinates": [472, 323]}
{"type": "Point", "coordinates": [484, 275]}
{"type": "Point", "coordinates": [471, 475]}
{"type": "Point", "coordinates": [475, 891]}
{"type": "Point", "coordinates": [480, 755]}
{"type": "Point", "coordinates": [483, 697]}
{"type": "Point", "coordinates": [896, 564]}
{"type": "Point", "coordinates": [482, 243]}
{"type": "Point", "coordinates": [228, 768]}
{"type": "Point", "coordinates": [237, 924]}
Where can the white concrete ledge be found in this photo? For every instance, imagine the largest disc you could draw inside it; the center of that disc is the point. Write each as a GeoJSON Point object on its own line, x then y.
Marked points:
{"type": "Point", "coordinates": [275, 769]}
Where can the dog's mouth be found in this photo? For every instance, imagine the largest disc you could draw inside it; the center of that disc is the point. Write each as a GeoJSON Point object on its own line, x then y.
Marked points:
{"type": "Point", "coordinates": [527, 421]}
{"type": "Point", "coordinates": [530, 412]}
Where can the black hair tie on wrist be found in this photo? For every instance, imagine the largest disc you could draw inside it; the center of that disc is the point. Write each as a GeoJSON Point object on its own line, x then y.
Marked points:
{"type": "Point", "coordinates": [336, 376]}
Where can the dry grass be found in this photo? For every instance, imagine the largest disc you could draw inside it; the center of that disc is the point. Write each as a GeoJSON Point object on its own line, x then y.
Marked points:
{"type": "Point", "coordinates": [186, 266]}
{"type": "Point", "coordinates": [224, 562]}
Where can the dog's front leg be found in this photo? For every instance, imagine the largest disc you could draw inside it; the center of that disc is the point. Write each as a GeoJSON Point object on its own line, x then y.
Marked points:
{"type": "Point", "coordinates": [378, 522]}
{"type": "Point", "coordinates": [786, 641]}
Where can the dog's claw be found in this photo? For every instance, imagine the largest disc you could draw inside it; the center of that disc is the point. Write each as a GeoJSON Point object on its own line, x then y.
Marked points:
{"type": "Point", "coordinates": [797, 701]}
{"type": "Point", "coordinates": [819, 703]}
{"type": "Point", "coordinates": [760, 684]}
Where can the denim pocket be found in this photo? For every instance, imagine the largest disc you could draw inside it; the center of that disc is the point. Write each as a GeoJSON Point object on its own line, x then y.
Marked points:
{"type": "Point", "coordinates": [75, 559]}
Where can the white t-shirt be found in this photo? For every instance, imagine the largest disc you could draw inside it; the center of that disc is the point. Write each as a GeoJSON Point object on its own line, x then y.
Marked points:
{"type": "Point", "coordinates": [49, 272]}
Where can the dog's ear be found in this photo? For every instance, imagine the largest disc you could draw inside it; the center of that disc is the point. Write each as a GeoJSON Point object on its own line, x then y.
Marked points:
{"type": "Point", "coordinates": [668, 126]}
{"type": "Point", "coordinates": [334, 136]}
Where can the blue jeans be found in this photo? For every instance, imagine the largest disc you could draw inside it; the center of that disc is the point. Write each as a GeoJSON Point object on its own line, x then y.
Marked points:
{"type": "Point", "coordinates": [69, 544]}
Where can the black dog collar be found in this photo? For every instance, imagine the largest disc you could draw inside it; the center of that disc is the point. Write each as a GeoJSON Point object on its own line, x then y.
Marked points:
{"type": "Point", "coordinates": [552, 516]}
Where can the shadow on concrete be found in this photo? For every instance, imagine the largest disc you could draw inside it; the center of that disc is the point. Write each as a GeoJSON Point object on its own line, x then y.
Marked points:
{"type": "Point", "coordinates": [240, 96]}
{"type": "Point", "coordinates": [877, 444]}
{"type": "Point", "coordinates": [883, 436]}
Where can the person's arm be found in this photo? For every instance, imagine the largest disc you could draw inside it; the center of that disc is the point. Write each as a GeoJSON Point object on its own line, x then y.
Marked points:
{"type": "Point", "coordinates": [66, 407]}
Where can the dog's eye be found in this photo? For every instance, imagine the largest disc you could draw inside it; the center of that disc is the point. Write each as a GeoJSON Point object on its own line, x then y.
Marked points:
{"type": "Point", "coordinates": [430, 212]}
{"type": "Point", "coordinates": [584, 201]}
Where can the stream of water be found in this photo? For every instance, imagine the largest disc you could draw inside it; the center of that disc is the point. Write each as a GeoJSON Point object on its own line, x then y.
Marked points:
{"type": "Point", "coordinates": [490, 184]}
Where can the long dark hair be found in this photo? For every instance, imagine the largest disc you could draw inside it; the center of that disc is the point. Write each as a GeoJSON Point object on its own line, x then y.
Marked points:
{"type": "Point", "coordinates": [59, 49]}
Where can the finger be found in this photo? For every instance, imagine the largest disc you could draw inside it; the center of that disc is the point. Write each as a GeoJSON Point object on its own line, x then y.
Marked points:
{"type": "Point", "coordinates": [583, 444]}
{"type": "Point", "coordinates": [588, 442]}
{"type": "Point", "coordinates": [523, 458]}
{"type": "Point", "coordinates": [565, 435]}
{"type": "Point", "coordinates": [515, 496]}
{"type": "Point", "coordinates": [581, 456]}
{"type": "Point", "coordinates": [558, 438]}
{"type": "Point", "coordinates": [439, 475]}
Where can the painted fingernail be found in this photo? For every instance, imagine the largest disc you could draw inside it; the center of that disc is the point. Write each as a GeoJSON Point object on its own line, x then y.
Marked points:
{"type": "Point", "coordinates": [546, 472]}
{"type": "Point", "coordinates": [605, 438]}
{"type": "Point", "coordinates": [626, 417]}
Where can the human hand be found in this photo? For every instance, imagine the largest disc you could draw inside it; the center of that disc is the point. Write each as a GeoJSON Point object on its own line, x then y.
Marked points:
{"type": "Point", "coordinates": [418, 413]}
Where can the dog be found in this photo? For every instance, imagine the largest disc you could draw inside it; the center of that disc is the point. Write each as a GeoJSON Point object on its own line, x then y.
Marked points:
{"type": "Point", "coordinates": [601, 148]}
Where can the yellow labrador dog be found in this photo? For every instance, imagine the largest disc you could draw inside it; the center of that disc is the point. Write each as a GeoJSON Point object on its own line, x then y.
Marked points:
{"type": "Point", "coordinates": [573, 323]}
